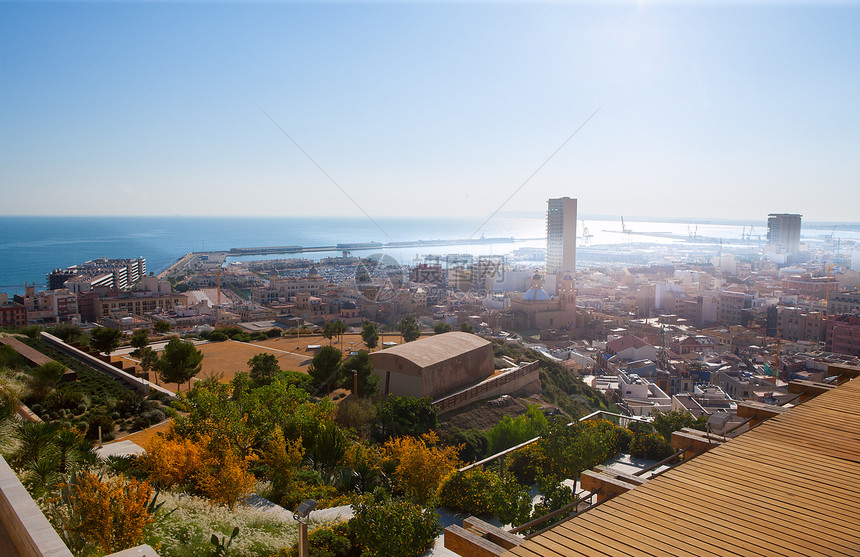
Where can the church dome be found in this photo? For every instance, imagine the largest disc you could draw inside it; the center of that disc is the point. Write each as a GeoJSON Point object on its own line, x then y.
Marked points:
{"type": "Point", "coordinates": [349, 304]}
{"type": "Point", "coordinates": [536, 276]}
{"type": "Point", "coordinates": [536, 295]}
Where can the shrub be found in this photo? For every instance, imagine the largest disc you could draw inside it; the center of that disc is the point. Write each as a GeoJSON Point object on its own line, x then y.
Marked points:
{"type": "Point", "coordinates": [651, 446]}
{"type": "Point", "coordinates": [274, 332]}
{"type": "Point", "coordinates": [65, 399]}
{"type": "Point", "coordinates": [216, 336]}
{"type": "Point", "coordinates": [109, 515]}
{"type": "Point", "coordinates": [241, 337]}
{"type": "Point", "coordinates": [625, 437]}
{"type": "Point", "coordinates": [513, 431]}
{"type": "Point", "coordinates": [469, 492]}
{"type": "Point", "coordinates": [527, 464]}
{"type": "Point", "coordinates": [420, 465]}
{"type": "Point", "coordinates": [385, 527]}
{"type": "Point", "coordinates": [330, 540]}
{"type": "Point", "coordinates": [102, 420]}
{"type": "Point", "coordinates": [473, 441]}
{"type": "Point", "coordinates": [259, 335]}
{"type": "Point", "coordinates": [666, 422]}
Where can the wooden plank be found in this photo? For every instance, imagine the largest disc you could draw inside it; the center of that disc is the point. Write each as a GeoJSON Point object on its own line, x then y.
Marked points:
{"type": "Point", "coordinates": [773, 465]}
{"type": "Point", "coordinates": [494, 534]}
{"type": "Point", "coordinates": [718, 530]}
{"type": "Point", "coordinates": [618, 474]}
{"type": "Point", "coordinates": [778, 502]}
{"type": "Point", "coordinates": [748, 523]}
{"type": "Point", "coordinates": [668, 534]}
{"type": "Point", "coordinates": [467, 544]}
{"type": "Point", "coordinates": [843, 370]}
{"type": "Point", "coordinates": [623, 537]}
{"type": "Point", "coordinates": [808, 389]}
{"type": "Point", "coordinates": [597, 541]}
{"type": "Point", "coordinates": [786, 496]}
{"type": "Point", "coordinates": [819, 526]}
{"type": "Point", "coordinates": [693, 444]}
{"type": "Point", "coordinates": [810, 493]}
{"type": "Point", "coordinates": [758, 411]}
{"type": "Point", "coordinates": [563, 546]}
{"type": "Point", "coordinates": [603, 485]}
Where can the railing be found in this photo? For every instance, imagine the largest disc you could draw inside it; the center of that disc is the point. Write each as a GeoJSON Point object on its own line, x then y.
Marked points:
{"type": "Point", "coordinates": [475, 392]}
{"type": "Point", "coordinates": [599, 414]}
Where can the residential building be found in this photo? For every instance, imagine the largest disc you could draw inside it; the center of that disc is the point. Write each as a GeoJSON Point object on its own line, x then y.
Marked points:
{"type": "Point", "coordinates": [49, 306]}
{"type": "Point", "coordinates": [642, 397]}
{"type": "Point", "coordinates": [731, 306]}
{"type": "Point", "coordinates": [561, 235]}
{"type": "Point", "coordinates": [141, 304]}
{"type": "Point", "coordinates": [796, 324]}
{"type": "Point", "coordinates": [113, 273]}
{"type": "Point", "coordinates": [12, 314]}
{"type": "Point", "coordinates": [844, 302]}
{"type": "Point", "coordinates": [843, 335]}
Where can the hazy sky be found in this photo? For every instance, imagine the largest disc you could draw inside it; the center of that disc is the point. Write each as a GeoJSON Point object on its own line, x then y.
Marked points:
{"type": "Point", "coordinates": [725, 109]}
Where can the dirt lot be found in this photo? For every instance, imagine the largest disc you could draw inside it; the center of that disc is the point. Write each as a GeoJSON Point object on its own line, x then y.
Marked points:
{"type": "Point", "coordinates": [225, 359]}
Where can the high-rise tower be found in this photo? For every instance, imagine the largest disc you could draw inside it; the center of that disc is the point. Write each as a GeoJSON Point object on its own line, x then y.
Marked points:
{"type": "Point", "coordinates": [561, 235]}
{"type": "Point", "coordinates": [783, 230]}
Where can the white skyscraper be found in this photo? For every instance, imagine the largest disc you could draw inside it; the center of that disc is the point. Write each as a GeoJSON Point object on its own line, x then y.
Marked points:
{"type": "Point", "coordinates": [561, 235]}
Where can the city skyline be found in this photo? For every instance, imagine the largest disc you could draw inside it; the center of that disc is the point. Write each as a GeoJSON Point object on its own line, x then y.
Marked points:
{"type": "Point", "coordinates": [731, 110]}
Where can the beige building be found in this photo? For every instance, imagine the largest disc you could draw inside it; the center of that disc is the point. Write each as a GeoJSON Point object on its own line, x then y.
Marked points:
{"type": "Point", "coordinates": [136, 303]}
{"type": "Point", "coordinates": [433, 366]}
{"type": "Point", "coordinates": [537, 310]}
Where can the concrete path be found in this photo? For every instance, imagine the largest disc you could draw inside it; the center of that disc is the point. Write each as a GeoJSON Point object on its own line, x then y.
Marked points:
{"type": "Point", "coordinates": [120, 448]}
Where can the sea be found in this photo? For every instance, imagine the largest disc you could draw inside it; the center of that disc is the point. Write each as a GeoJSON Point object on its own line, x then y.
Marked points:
{"type": "Point", "coordinates": [31, 247]}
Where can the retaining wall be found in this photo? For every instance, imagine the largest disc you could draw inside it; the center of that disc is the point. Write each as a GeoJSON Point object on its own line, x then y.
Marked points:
{"type": "Point", "coordinates": [141, 385]}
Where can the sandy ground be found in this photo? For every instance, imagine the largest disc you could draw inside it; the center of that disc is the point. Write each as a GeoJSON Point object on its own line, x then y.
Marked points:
{"type": "Point", "coordinates": [142, 437]}
{"type": "Point", "coordinates": [225, 359]}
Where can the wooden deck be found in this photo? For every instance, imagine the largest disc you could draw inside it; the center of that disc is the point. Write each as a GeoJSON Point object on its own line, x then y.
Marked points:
{"type": "Point", "coordinates": [791, 486]}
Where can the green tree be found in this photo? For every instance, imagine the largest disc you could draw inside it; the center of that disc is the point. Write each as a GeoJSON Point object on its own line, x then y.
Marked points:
{"type": "Point", "coordinates": [180, 362]}
{"type": "Point", "coordinates": [512, 431]}
{"type": "Point", "coordinates": [441, 327]}
{"type": "Point", "coordinates": [105, 339]}
{"type": "Point", "coordinates": [45, 377]}
{"type": "Point", "coordinates": [139, 340]}
{"type": "Point", "coordinates": [263, 367]}
{"type": "Point", "coordinates": [404, 415]}
{"type": "Point", "coordinates": [392, 527]}
{"type": "Point", "coordinates": [334, 328]}
{"type": "Point", "coordinates": [162, 327]}
{"type": "Point", "coordinates": [370, 334]}
{"type": "Point", "coordinates": [666, 422]}
{"type": "Point", "coordinates": [324, 366]}
{"type": "Point", "coordinates": [409, 329]}
{"type": "Point", "coordinates": [67, 332]}
{"type": "Point", "coordinates": [466, 328]}
{"type": "Point", "coordinates": [148, 360]}
{"type": "Point", "coordinates": [367, 381]}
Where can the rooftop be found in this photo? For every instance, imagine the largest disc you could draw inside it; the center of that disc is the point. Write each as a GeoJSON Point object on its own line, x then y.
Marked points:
{"type": "Point", "coordinates": [786, 487]}
{"type": "Point", "coordinates": [437, 348]}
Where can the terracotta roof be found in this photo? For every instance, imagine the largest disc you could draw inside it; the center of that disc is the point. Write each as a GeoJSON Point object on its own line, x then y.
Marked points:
{"type": "Point", "coordinates": [624, 343]}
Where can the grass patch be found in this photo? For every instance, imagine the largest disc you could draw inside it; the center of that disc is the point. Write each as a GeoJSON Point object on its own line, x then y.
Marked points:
{"type": "Point", "coordinates": [186, 531]}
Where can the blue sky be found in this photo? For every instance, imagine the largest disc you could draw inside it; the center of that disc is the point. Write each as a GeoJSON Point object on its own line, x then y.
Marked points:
{"type": "Point", "coordinates": [726, 109]}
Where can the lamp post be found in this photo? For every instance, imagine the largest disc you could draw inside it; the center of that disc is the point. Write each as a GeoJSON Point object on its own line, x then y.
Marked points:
{"type": "Point", "coordinates": [302, 516]}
